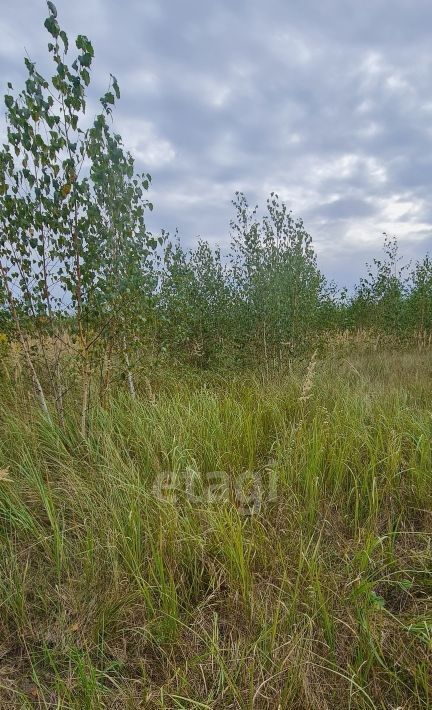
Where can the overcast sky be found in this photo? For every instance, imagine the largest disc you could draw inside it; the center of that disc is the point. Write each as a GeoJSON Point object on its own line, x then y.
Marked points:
{"type": "Point", "coordinates": [328, 103]}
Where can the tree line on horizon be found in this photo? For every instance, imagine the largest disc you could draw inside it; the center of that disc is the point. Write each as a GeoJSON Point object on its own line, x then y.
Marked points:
{"type": "Point", "coordinates": [81, 274]}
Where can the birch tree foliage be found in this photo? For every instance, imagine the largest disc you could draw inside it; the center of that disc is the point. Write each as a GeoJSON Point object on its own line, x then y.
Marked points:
{"type": "Point", "coordinates": [73, 240]}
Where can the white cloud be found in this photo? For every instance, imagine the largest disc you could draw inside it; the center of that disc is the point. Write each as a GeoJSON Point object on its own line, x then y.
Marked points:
{"type": "Point", "coordinates": [328, 105]}
{"type": "Point", "coordinates": [143, 141]}
{"type": "Point", "coordinates": [141, 81]}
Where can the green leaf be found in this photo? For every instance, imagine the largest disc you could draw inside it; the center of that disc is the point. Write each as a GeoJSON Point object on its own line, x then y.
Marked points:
{"type": "Point", "coordinates": [115, 86]}
{"type": "Point", "coordinates": [52, 26]}
{"type": "Point", "coordinates": [82, 42]}
{"type": "Point", "coordinates": [85, 59]}
{"type": "Point", "coordinates": [65, 40]}
{"type": "Point", "coordinates": [377, 601]}
{"type": "Point", "coordinates": [85, 77]}
{"type": "Point", "coordinates": [406, 584]}
{"type": "Point", "coordinates": [52, 8]}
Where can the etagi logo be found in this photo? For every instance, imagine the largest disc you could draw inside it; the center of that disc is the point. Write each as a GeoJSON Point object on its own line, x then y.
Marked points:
{"type": "Point", "coordinates": [248, 490]}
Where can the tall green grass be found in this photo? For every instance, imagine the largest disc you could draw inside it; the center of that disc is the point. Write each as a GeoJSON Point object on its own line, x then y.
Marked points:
{"type": "Point", "coordinates": [120, 587]}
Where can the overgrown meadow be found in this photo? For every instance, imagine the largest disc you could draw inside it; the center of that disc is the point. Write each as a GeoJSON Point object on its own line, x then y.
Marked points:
{"type": "Point", "coordinates": [215, 468]}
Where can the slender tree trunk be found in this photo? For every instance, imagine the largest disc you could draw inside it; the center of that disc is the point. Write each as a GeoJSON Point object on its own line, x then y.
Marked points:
{"type": "Point", "coordinates": [85, 400]}
{"type": "Point", "coordinates": [131, 384]}
{"type": "Point", "coordinates": [105, 374]}
{"type": "Point", "coordinates": [59, 394]}
{"type": "Point", "coordinates": [265, 349]}
{"type": "Point", "coordinates": [35, 379]}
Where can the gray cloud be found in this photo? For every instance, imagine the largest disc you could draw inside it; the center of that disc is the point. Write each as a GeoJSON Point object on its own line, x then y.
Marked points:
{"type": "Point", "coordinates": [329, 104]}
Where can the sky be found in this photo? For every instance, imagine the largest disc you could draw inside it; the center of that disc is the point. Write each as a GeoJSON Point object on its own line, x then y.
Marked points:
{"type": "Point", "coordinates": [327, 103]}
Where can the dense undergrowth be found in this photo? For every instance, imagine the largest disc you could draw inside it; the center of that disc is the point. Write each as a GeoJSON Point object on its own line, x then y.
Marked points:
{"type": "Point", "coordinates": [299, 576]}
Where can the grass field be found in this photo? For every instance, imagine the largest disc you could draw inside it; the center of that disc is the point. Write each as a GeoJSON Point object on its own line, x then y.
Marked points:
{"type": "Point", "coordinates": [239, 543]}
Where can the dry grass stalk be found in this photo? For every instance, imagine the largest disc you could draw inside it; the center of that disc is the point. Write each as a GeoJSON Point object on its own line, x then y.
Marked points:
{"type": "Point", "coordinates": [4, 474]}
{"type": "Point", "coordinates": [309, 379]}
